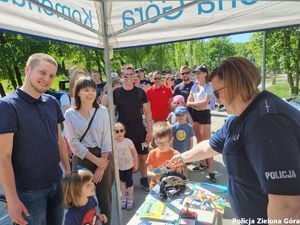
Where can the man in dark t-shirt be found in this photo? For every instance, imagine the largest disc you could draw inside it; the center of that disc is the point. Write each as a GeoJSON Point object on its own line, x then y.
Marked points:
{"type": "Point", "coordinates": [184, 88]}
{"type": "Point", "coordinates": [129, 102]}
{"type": "Point", "coordinates": [141, 73]}
{"type": "Point", "coordinates": [178, 78]}
{"type": "Point", "coordinates": [32, 146]}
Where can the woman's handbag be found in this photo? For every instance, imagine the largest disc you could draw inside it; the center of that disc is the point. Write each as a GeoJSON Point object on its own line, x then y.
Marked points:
{"type": "Point", "coordinates": [94, 150]}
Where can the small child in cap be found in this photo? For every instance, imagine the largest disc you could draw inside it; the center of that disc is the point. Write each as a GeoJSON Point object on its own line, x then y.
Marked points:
{"type": "Point", "coordinates": [178, 100]}
{"type": "Point", "coordinates": [183, 132]}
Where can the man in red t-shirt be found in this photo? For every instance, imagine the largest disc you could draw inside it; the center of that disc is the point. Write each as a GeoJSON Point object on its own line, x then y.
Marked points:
{"type": "Point", "coordinates": [160, 97]}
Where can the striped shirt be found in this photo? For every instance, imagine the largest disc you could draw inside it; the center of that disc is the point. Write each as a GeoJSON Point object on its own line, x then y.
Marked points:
{"type": "Point", "coordinates": [98, 135]}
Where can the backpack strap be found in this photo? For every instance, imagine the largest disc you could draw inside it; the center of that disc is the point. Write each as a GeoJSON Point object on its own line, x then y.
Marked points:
{"type": "Point", "coordinates": [69, 98]}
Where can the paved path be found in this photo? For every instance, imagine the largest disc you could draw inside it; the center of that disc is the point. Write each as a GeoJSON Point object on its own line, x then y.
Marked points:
{"type": "Point", "coordinates": [221, 176]}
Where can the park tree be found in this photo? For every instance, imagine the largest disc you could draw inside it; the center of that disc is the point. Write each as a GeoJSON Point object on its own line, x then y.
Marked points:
{"type": "Point", "coordinates": [217, 49]}
{"type": "Point", "coordinates": [282, 53]}
{"type": "Point", "coordinates": [14, 52]}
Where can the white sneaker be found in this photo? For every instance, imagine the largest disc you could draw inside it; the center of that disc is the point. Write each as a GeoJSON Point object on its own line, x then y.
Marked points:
{"type": "Point", "coordinates": [129, 204]}
{"type": "Point", "coordinates": [123, 203]}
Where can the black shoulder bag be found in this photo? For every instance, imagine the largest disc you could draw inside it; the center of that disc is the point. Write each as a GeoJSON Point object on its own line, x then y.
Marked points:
{"type": "Point", "coordinates": [96, 151]}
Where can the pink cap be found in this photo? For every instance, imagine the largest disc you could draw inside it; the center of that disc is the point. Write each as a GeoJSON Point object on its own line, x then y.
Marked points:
{"type": "Point", "coordinates": [178, 98]}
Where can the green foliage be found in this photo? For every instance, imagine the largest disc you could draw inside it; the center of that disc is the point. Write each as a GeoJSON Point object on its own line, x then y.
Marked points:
{"type": "Point", "coordinates": [216, 50]}
{"type": "Point", "coordinates": [283, 55]}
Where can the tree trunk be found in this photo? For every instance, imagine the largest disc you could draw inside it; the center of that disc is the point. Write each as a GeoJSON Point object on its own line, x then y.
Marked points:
{"type": "Point", "coordinates": [11, 76]}
{"type": "Point", "coordinates": [88, 64]}
{"type": "Point", "coordinates": [287, 51]}
{"type": "Point", "coordinates": [18, 75]}
{"type": "Point", "coordinates": [63, 66]}
{"type": "Point", "coordinates": [2, 92]}
{"type": "Point", "coordinates": [102, 59]}
{"type": "Point", "coordinates": [99, 67]}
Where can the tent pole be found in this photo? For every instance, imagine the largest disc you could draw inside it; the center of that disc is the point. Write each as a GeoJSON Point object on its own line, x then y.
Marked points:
{"type": "Point", "coordinates": [111, 110]}
{"type": "Point", "coordinates": [263, 68]}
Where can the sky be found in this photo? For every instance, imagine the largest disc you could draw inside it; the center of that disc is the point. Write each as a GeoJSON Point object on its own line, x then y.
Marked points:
{"type": "Point", "coordinates": [240, 38]}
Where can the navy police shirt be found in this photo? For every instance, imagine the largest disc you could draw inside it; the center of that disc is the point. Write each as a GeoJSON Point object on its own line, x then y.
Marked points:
{"type": "Point", "coordinates": [35, 153]}
{"type": "Point", "coordinates": [261, 150]}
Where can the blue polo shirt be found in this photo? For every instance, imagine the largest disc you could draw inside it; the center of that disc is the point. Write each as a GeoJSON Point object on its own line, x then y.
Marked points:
{"type": "Point", "coordinates": [261, 150]}
{"type": "Point", "coordinates": [35, 154]}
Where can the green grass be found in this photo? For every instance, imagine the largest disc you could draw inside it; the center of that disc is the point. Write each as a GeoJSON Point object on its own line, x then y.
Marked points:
{"type": "Point", "coordinates": [8, 88]}
{"type": "Point", "coordinates": [281, 89]}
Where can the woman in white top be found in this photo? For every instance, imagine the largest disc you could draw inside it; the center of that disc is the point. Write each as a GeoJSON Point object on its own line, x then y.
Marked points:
{"type": "Point", "coordinates": [198, 100]}
{"type": "Point", "coordinates": [67, 99]}
{"type": "Point", "coordinates": [98, 135]}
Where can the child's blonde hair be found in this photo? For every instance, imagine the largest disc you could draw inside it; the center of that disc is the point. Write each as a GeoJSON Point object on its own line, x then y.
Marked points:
{"type": "Point", "coordinates": [162, 129]}
{"type": "Point", "coordinates": [72, 187]}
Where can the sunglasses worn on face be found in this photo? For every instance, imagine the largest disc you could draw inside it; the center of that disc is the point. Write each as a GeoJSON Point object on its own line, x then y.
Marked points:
{"type": "Point", "coordinates": [119, 131]}
{"type": "Point", "coordinates": [157, 78]}
{"type": "Point", "coordinates": [128, 75]}
{"type": "Point", "coordinates": [184, 73]}
{"type": "Point", "coordinates": [216, 92]}
{"type": "Point", "coordinates": [177, 103]}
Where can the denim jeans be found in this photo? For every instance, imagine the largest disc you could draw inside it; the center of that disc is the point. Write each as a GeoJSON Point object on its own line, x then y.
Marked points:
{"type": "Point", "coordinates": [44, 205]}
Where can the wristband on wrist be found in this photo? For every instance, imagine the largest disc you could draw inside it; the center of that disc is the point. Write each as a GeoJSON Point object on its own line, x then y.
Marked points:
{"type": "Point", "coordinates": [181, 159]}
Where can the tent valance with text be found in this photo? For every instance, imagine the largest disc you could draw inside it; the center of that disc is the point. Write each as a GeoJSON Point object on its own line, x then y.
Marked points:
{"type": "Point", "coordinates": [203, 19]}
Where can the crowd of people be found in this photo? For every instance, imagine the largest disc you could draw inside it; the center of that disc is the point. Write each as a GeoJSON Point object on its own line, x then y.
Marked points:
{"type": "Point", "coordinates": [157, 119]}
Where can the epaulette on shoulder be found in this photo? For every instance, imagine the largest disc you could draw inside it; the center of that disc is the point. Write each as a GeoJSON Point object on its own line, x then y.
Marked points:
{"type": "Point", "coordinates": [267, 106]}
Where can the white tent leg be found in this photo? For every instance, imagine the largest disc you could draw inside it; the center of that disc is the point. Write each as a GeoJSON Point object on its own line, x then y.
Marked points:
{"type": "Point", "coordinates": [263, 68]}
{"type": "Point", "coordinates": [102, 17]}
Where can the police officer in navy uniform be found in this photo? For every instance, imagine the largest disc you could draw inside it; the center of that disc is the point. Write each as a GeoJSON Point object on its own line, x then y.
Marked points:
{"type": "Point", "coordinates": [260, 144]}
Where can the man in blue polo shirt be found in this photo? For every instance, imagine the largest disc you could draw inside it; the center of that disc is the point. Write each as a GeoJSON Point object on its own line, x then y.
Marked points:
{"type": "Point", "coordinates": [32, 147]}
{"type": "Point", "coordinates": [260, 144]}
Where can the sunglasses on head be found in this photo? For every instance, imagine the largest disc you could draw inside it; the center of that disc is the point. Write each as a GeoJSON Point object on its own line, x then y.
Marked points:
{"type": "Point", "coordinates": [216, 92]}
{"type": "Point", "coordinates": [185, 73]}
{"type": "Point", "coordinates": [119, 131]}
{"type": "Point", "coordinates": [157, 78]}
